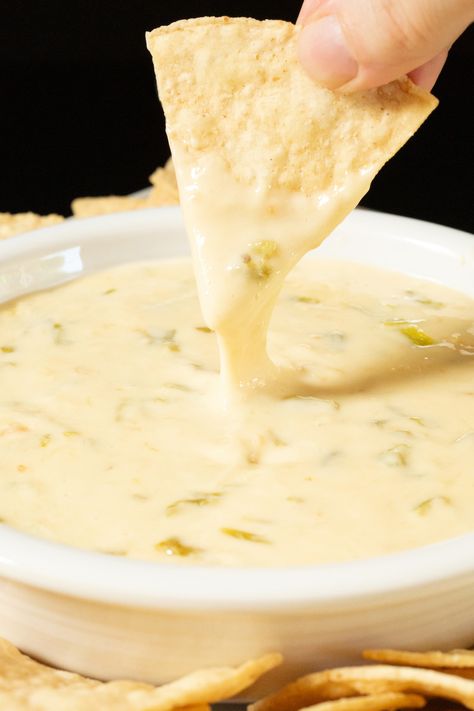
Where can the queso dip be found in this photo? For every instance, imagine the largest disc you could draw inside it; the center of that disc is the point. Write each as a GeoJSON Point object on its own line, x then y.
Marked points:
{"type": "Point", "coordinates": [114, 436]}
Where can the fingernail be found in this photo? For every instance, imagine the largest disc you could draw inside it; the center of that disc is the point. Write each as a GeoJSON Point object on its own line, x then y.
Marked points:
{"type": "Point", "coordinates": [324, 53]}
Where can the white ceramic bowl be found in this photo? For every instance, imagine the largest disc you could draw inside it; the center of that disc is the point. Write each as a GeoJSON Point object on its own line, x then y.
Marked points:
{"type": "Point", "coordinates": [110, 617]}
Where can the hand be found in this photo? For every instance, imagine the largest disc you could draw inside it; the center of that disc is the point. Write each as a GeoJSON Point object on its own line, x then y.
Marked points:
{"type": "Point", "coordinates": [361, 44]}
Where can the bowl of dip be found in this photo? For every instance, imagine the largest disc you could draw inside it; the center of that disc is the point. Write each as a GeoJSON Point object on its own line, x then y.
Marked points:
{"type": "Point", "coordinates": [87, 583]}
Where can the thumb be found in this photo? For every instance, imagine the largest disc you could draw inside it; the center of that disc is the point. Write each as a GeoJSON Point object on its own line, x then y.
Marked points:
{"type": "Point", "coordinates": [360, 44]}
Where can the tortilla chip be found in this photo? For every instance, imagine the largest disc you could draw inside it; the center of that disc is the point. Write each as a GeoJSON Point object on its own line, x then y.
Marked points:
{"type": "Point", "coordinates": [377, 702]}
{"type": "Point", "coordinates": [30, 686]}
{"type": "Point", "coordinates": [166, 170]}
{"type": "Point", "coordinates": [423, 681]}
{"type": "Point", "coordinates": [164, 191]}
{"type": "Point", "coordinates": [465, 673]}
{"type": "Point", "coordinates": [165, 188]}
{"type": "Point", "coordinates": [94, 206]}
{"type": "Point", "coordinates": [14, 224]}
{"type": "Point", "coordinates": [235, 86]}
{"type": "Point", "coordinates": [349, 681]}
{"type": "Point", "coordinates": [162, 195]}
{"type": "Point", "coordinates": [217, 684]}
{"type": "Point", "coordinates": [457, 658]}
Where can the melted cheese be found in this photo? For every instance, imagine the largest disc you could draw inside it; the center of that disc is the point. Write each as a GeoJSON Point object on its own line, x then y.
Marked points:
{"type": "Point", "coordinates": [112, 434]}
{"type": "Point", "coordinates": [243, 254]}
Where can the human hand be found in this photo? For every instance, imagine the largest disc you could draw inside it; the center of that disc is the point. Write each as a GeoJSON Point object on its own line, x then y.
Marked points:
{"type": "Point", "coordinates": [360, 44]}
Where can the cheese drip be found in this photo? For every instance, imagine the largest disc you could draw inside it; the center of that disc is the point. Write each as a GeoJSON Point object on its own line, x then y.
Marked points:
{"type": "Point", "coordinates": [244, 242]}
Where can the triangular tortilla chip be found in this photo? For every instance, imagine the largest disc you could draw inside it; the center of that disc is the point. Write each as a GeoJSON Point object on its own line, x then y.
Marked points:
{"type": "Point", "coordinates": [267, 164]}
{"type": "Point", "coordinates": [236, 84]}
{"type": "Point", "coordinates": [27, 685]}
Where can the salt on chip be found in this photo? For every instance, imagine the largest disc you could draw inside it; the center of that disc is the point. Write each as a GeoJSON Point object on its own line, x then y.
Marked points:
{"type": "Point", "coordinates": [12, 224]}
{"type": "Point", "coordinates": [457, 658]}
{"type": "Point", "coordinates": [27, 685]}
{"type": "Point", "coordinates": [235, 86]}
{"type": "Point", "coordinates": [378, 702]}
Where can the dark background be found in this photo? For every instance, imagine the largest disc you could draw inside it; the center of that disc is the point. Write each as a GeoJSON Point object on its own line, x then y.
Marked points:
{"type": "Point", "coordinates": [79, 112]}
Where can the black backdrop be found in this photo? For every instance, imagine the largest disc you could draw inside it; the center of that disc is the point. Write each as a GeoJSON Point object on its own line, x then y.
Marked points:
{"type": "Point", "coordinates": [79, 113]}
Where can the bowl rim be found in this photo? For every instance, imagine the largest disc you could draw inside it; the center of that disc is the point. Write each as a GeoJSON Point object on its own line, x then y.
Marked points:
{"type": "Point", "coordinates": [88, 575]}
{"type": "Point", "coordinates": [74, 572]}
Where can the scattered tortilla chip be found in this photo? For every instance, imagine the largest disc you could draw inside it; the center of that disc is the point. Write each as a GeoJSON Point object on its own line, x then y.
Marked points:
{"type": "Point", "coordinates": [235, 86]}
{"type": "Point", "coordinates": [164, 191]}
{"type": "Point", "coordinates": [349, 681]}
{"type": "Point", "coordinates": [465, 673]}
{"type": "Point", "coordinates": [93, 206]}
{"type": "Point", "coordinates": [14, 224]}
{"type": "Point", "coordinates": [457, 658]}
{"type": "Point", "coordinates": [377, 702]}
{"type": "Point", "coordinates": [217, 684]}
{"type": "Point", "coordinates": [27, 685]}
{"type": "Point", "coordinates": [162, 195]}
{"type": "Point", "coordinates": [165, 187]}
{"type": "Point", "coordinates": [423, 681]}
{"type": "Point", "coordinates": [303, 693]}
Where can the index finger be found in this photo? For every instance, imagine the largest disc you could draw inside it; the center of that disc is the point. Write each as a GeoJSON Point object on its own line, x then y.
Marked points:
{"type": "Point", "coordinates": [309, 7]}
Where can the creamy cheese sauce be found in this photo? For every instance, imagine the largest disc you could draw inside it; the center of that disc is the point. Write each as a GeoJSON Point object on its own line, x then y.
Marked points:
{"type": "Point", "coordinates": [244, 244]}
{"type": "Point", "coordinates": [112, 434]}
